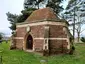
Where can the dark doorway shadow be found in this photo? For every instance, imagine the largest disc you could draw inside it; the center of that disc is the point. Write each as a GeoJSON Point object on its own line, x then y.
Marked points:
{"type": "Point", "coordinates": [29, 42]}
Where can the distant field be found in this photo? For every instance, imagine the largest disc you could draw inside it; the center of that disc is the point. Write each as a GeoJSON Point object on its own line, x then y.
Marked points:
{"type": "Point", "coordinates": [21, 57]}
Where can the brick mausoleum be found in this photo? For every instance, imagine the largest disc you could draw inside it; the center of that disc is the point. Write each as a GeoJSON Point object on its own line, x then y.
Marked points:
{"type": "Point", "coordinates": [43, 31]}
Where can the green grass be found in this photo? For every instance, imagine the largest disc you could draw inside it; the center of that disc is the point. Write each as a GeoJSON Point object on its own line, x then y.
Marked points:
{"type": "Point", "coordinates": [21, 57]}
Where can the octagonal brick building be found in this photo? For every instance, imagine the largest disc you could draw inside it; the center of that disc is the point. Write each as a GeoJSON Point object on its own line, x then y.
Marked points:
{"type": "Point", "coordinates": [43, 31]}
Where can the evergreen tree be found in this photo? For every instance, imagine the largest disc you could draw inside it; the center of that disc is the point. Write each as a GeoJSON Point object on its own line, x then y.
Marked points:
{"type": "Point", "coordinates": [13, 18]}
{"type": "Point", "coordinates": [33, 3]}
{"type": "Point", "coordinates": [55, 5]}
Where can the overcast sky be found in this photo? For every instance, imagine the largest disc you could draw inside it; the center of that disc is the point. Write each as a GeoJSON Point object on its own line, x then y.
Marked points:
{"type": "Point", "coordinates": [13, 6]}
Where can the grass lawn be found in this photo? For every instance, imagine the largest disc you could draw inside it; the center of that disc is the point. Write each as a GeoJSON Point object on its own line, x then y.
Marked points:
{"type": "Point", "coordinates": [21, 57]}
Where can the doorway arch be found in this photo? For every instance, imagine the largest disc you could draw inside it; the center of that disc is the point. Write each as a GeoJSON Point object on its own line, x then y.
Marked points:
{"type": "Point", "coordinates": [29, 42]}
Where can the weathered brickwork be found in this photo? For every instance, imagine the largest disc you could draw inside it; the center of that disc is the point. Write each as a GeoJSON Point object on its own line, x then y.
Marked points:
{"type": "Point", "coordinates": [47, 33]}
{"type": "Point", "coordinates": [38, 44]}
{"type": "Point", "coordinates": [57, 31]}
{"type": "Point", "coordinates": [21, 32]}
{"type": "Point", "coordinates": [57, 46]}
{"type": "Point", "coordinates": [19, 44]}
{"type": "Point", "coordinates": [37, 31]}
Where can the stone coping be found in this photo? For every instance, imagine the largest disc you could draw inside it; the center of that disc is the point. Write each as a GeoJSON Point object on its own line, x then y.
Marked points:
{"type": "Point", "coordinates": [49, 20]}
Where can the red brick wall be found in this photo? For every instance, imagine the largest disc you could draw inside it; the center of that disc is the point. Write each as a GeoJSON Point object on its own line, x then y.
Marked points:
{"type": "Point", "coordinates": [21, 32]}
{"type": "Point", "coordinates": [57, 46]}
{"type": "Point", "coordinates": [37, 31]}
{"type": "Point", "coordinates": [19, 44]}
{"type": "Point", "coordinates": [57, 31]}
{"type": "Point", "coordinates": [38, 45]}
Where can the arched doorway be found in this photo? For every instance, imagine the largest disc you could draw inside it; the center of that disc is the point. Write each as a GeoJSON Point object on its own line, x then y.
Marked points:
{"type": "Point", "coordinates": [29, 42]}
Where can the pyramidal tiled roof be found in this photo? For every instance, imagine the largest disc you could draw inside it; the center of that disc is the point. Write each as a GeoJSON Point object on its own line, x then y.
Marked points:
{"type": "Point", "coordinates": [42, 14]}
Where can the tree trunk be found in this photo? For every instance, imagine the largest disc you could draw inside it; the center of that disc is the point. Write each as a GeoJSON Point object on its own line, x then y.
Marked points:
{"type": "Point", "coordinates": [74, 27]}
{"type": "Point", "coordinates": [38, 6]}
{"type": "Point", "coordinates": [78, 36]}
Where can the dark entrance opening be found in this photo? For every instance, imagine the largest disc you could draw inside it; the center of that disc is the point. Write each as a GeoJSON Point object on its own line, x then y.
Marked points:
{"type": "Point", "coordinates": [29, 44]}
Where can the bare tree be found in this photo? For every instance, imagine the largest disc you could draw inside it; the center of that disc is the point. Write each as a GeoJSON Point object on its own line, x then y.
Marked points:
{"type": "Point", "coordinates": [79, 25]}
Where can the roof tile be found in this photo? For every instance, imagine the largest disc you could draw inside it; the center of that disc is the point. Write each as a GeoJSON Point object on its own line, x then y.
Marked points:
{"type": "Point", "coordinates": [42, 14]}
